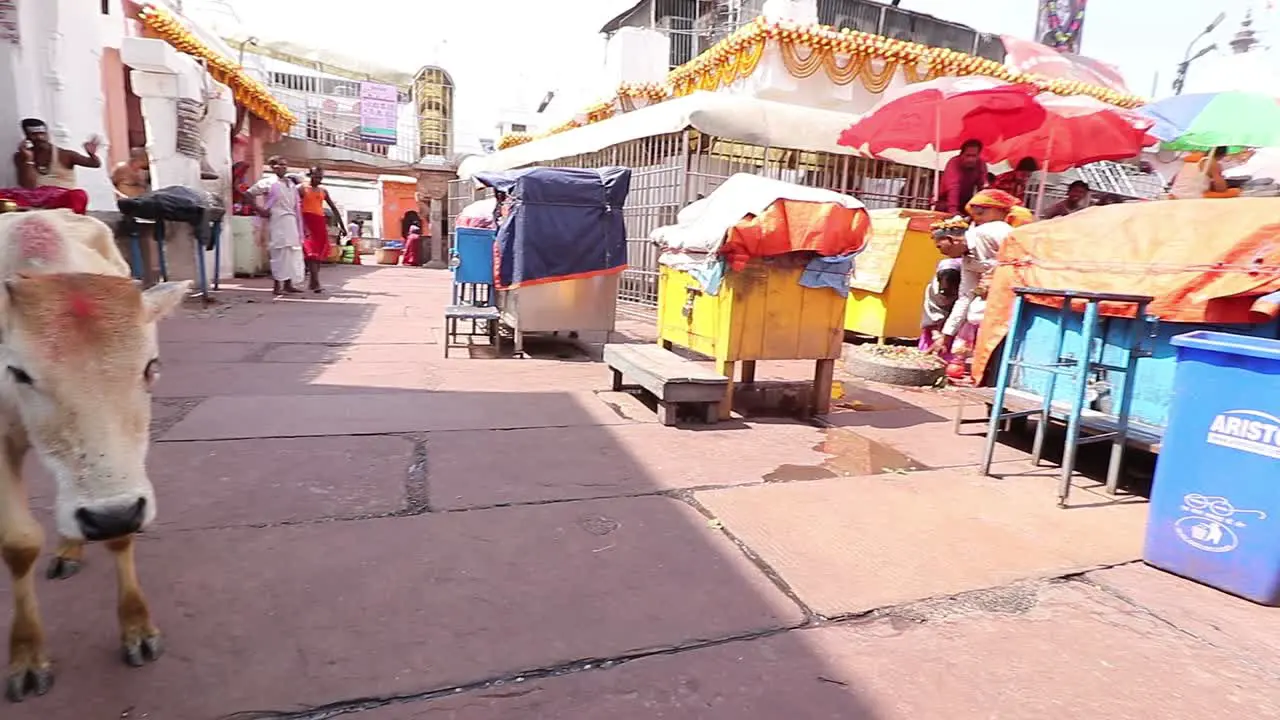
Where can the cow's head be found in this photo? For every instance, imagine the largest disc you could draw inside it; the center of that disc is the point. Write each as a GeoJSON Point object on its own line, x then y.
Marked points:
{"type": "Point", "coordinates": [78, 356]}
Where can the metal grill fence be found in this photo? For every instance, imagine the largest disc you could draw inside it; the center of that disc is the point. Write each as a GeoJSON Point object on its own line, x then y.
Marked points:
{"type": "Point", "coordinates": [672, 170]}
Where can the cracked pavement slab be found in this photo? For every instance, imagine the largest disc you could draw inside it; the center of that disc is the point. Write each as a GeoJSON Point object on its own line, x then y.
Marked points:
{"type": "Point", "coordinates": [849, 545]}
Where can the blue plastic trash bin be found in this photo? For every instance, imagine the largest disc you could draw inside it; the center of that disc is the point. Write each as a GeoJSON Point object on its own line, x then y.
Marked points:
{"type": "Point", "coordinates": [473, 253]}
{"type": "Point", "coordinates": [1215, 505]}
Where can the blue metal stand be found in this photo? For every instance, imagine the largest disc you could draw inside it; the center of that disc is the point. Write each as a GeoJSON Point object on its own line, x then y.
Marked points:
{"type": "Point", "coordinates": [164, 265]}
{"type": "Point", "coordinates": [217, 252]}
{"type": "Point", "coordinates": [138, 264]}
{"type": "Point", "coordinates": [136, 260]}
{"type": "Point", "coordinates": [1078, 370]}
{"type": "Point", "coordinates": [473, 292]}
{"type": "Point", "coordinates": [202, 271]}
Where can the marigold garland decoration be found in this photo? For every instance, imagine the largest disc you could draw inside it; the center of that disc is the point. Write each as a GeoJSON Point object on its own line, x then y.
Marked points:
{"type": "Point", "coordinates": [513, 139]}
{"type": "Point", "coordinates": [249, 92]}
{"type": "Point", "coordinates": [844, 56]}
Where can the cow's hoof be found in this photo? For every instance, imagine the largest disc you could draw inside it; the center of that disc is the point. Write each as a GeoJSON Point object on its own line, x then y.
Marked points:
{"type": "Point", "coordinates": [142, 650]}
{"type": "Point", "coordinates": [62, 568]}
{"type": "Point", "coordinates": [27, 682]}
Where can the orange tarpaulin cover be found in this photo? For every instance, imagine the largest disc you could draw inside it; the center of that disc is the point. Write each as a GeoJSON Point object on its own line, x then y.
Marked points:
{"type": "Point", "coordinates": [1203, 261]}
{"type": "Point", "coordinates": [789, 226]}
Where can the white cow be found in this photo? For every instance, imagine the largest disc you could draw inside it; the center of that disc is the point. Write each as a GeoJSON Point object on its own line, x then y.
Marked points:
{"type": "Point", "coordinates": [77, 361]}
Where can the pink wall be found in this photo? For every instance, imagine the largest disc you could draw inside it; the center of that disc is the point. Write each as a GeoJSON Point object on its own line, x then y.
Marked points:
{"type": "Point", "coordinates": [116, 106]}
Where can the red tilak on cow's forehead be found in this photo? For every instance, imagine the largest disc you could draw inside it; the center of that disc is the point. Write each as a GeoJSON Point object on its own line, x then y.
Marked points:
{"type": "Point", "coordinates": [81, 306]}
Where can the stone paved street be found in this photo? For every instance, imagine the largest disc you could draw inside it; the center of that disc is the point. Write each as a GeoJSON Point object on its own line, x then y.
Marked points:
{"type": "Point", "coordinates": [352, 525]}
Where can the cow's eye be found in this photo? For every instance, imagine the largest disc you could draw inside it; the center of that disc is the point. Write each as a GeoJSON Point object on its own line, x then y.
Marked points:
{"type": "Point", "coordinates": [152, 372]}
{"type": "Point", "coordinates": [20, 376]}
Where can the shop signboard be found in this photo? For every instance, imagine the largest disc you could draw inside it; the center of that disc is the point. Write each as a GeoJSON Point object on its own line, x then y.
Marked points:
{"type": "Point", "coordinates": [378, 110]}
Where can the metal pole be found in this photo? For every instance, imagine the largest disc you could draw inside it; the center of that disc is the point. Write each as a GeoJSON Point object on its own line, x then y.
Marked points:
{"type": "Point", "coordinates": [1044, 175]}
{"type": "Point", "coordinates": [1180, 80]}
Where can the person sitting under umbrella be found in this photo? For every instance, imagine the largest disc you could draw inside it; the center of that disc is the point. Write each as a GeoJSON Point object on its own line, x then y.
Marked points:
{"type": "Point", "coordinates": [1015, 181]}
{"type": "Point", "coordinates": [964, 175]}
{"type": "Point", "coordinates": [1078, 198]}
{"type": "Point", "coordinates": [1201, 177]}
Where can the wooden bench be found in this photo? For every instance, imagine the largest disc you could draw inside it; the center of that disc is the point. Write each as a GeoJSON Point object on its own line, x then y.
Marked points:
{"type": "Point", "coordinates": [478, 317]}
{"type": "Point", "coordinates": [673, 380]}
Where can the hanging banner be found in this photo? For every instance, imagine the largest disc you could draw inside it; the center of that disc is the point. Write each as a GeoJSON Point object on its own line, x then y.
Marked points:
{"type": "Point", "coordinates": [1059, 24]}
{"type": "Point", "coordinates": [9, 21]}
{"type": "Point", "coordinates": [378, 109]}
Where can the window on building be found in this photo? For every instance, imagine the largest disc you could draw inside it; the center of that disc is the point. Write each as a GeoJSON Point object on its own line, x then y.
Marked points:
{"type": "Point", "coordinates": [106, 7]}
{"type": "Point", "coordinates": [519, 127]}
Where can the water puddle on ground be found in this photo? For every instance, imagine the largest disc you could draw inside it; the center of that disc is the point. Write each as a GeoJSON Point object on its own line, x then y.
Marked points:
{"type": "Point", "coordinates": [851, 455]}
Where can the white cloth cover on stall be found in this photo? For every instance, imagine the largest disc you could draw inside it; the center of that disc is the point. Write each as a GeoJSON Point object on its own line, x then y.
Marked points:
{"type": "Point", "coordinates": [701, 226]}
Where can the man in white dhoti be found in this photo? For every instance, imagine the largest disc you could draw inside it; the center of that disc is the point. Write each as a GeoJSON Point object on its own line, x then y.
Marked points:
{"type": "Point", "coordinates": [278, 201]}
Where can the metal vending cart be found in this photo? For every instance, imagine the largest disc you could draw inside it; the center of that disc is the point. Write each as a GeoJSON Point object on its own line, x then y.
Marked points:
{"type": "Point", "coordinates": [561, 249]}
{"type": "Point", "coordinates": [1088, 327]}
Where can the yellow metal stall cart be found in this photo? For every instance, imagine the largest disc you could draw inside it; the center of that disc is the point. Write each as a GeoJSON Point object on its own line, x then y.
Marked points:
{"type": "Point", "coordinates": [782, 293]}
{"type": "Point", "coordinates": [889, 280]}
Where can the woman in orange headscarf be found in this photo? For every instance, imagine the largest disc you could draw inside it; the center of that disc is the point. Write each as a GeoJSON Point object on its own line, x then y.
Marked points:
{"type": "Point", "coordinates": [995, 213]}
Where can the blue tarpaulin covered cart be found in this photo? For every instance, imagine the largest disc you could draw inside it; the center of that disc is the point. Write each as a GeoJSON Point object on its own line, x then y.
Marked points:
{"type": "Point", "coordinates": [561, 248]}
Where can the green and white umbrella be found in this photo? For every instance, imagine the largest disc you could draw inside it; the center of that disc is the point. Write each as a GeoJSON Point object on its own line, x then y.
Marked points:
{"type": "Point", "coordinates": [1204, 121]}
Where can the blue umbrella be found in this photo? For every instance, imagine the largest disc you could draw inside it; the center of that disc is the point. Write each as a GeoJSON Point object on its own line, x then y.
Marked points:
{"type": "Point", "coordinates": [1203, 121]}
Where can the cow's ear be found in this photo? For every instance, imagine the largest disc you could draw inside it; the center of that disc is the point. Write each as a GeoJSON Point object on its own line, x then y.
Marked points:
{"type": "Point", "coordinates": [162, 299]}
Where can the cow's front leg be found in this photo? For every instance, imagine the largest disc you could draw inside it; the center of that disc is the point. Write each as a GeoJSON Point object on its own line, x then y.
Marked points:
{"type": "Point", "coordinates": [30, 672]}
{"type": "Point", "coordinates": [140, 640]}
{"type": "Point", "coordinates": [68, 560]}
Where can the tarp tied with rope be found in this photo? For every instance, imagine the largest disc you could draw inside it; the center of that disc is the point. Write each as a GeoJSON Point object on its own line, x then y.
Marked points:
{"type": "Point", "coordinates": [1203, 261]}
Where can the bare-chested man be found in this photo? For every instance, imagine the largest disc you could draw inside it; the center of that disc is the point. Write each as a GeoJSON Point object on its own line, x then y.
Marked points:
{"type": "Point", "coordinates": [47, 173]}
{"type": "Point", "coordinates": [133, 176]}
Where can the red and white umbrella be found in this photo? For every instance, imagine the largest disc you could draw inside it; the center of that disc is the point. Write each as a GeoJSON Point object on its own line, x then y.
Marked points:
{"type": "Point", "coordinates": [944, 113]}
{"type": "Point", "coordinates": [1077, 130]}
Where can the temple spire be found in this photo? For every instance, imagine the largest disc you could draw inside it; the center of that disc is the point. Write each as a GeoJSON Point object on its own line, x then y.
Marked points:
{"type": "Point", "coordinates": [1245, 39]}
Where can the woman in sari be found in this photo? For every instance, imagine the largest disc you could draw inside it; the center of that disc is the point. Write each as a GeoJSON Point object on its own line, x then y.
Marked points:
{"type": "Point", "coordinates": [994, 213]}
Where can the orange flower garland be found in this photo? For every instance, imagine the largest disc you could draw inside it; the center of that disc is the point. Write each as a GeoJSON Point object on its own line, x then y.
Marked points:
{"type": "Point", "coordinates": [514, 139]}
{"type": "Point", "coordinates": [249, 92]}
{"type": "Point", "coordinates": [846, 55]}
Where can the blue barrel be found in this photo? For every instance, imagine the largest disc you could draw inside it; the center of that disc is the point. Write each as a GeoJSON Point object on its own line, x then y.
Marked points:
{"type": "Point", "coordinates": [1215, 505]}
{"type": "Point", "coordinates": [473, 255]}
